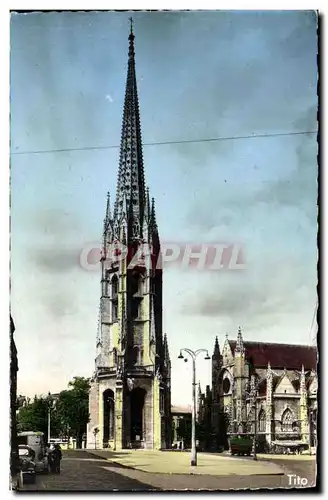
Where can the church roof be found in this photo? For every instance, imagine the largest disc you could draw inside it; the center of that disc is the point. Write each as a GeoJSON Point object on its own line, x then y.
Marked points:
{"type": "Point", "coordinates": [288, 356]}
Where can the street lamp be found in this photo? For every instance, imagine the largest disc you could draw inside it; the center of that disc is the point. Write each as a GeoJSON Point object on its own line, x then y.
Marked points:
{"type": "Point", "coordinates": [95, 432]}
{"type": "Point", "coordinates": [51, 406]}
{"type": "Point", "coordinates": [193, 355]}
{"type": "Point", "coordinates": [253, 393]}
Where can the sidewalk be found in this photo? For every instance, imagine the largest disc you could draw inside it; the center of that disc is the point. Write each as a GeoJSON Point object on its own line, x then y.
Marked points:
{"type": "Point", "coordinates": [170, 462]}
{"type": "Point", "coordinates": [297, 457]}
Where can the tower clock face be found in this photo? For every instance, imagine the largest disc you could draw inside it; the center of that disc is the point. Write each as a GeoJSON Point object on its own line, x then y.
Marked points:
{"type": "Point", "coordinates": [226, 385]}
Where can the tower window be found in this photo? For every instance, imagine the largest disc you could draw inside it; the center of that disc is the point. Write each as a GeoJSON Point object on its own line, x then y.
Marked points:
{"type": "Point", "coordinates": [161, 401]}
{"type": "Point", "coordinates": [135, 309]}
{"type": "Point", "coordinates": [136, 284]}
{"type": "Point", "coordinates": [137, 355]}
{"type": "Point", "coordinates": [114, 287]}
{"type": "Point", "coordinates": [114, 311]}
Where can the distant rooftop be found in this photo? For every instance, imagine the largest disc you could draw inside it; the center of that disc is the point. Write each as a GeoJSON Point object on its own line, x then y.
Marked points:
{"type": "Point", "coordinates": [181, 409]}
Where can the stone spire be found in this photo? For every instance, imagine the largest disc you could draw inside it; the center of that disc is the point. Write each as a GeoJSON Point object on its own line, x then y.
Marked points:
{"type": "Point", "coordinates": [153, 228]}
{"type": "Point", "coordinates": [216, 350]}
{"type": "Point", "coordinates": [302, 381]}
{"type": "Point", "coordinates": [166, 351]}
{"type": "Point", "coordinates": [304, 409]}
{"type": "Point", "coordinates": [268, 404]}
{"type": "Point", "coordinates": [107, 222]}
{"type": "Point", "coordinates": [131, 182]}
{"type": "Point", "coordinates": [108, 216]}
{"type": "Point", "coordinates": [240, 343]}
{"type": "Point", "coordinates": [153, 221]}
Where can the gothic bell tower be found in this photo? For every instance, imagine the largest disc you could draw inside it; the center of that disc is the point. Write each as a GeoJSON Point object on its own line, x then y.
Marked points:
{"type": "Point", "coordinates": [130, 395]}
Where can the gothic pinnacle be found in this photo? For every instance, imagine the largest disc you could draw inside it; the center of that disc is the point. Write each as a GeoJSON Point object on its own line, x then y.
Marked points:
{"type": "Point", "coordinates": [153, 214]}
{"type": "Point", "coordinates": [303, 381]}
{"type": "Point", "coordinates": [147, 203]}
{"type": "Point", "coordinates": [166, 348]}
{"type": "Point", "coordinates": [240, 342]}
{"type": "Point", "coordinates": [108, 214]}
{"type": "Point", "coordinates": [216, 346]}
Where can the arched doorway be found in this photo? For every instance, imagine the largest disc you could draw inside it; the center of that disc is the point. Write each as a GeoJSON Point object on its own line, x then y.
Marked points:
{"type": "Point", "coordinates": [109, 410]}
{"type": "Point", "coordinates": [137, 402]}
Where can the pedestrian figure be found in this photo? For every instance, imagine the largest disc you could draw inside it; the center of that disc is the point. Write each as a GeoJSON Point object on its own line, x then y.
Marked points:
{"type": "Point", "coordinates": [51, 457]}
{"type": "Point", "coordinates": [57, 458]}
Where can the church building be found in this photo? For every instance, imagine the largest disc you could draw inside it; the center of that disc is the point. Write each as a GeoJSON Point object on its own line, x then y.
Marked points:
{"type": "Point", "coordinates": [130, 396]}
{"type": "Point", "coordinates": [264, 386]}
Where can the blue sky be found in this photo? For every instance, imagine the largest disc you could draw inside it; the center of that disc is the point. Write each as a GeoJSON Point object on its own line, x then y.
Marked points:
{"type": "Point", "coordinates": [200, 75]}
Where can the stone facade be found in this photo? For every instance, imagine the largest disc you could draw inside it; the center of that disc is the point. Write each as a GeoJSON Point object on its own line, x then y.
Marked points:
{"type": "Point", "coordinates": [285, 382]}
{"type": "Point", "coordinates": [130, 396]}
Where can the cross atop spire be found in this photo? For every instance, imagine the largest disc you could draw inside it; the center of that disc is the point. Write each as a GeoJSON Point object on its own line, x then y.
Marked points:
{"type": "Point", "coordinates": [131, 25]}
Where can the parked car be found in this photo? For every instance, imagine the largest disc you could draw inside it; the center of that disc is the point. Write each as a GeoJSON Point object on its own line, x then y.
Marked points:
{"type": "Point", "coordinates": [241, 445]}
{"type": "Point", "coordinates": [36, 441]}
{"type": "Point", "coordinates": [27, 463]}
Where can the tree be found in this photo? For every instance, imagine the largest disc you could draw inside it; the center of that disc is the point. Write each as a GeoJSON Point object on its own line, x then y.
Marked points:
{"type": "Point", "coordinates": [184, 431]}
{"type": "Point", "coordinates": [73, 408]}
{"type": "Point", "coordinates": [69, 412]}
{"type": "Point", "coordinates": [33, 416]}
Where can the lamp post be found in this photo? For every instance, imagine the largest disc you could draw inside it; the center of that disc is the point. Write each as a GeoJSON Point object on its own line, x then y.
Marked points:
{"type": "Point", "coordinates": [193, 355]}
{"type": "Point", "coordinates": [253, 395]}
{"type": "Point", "coordinates": [109, 398]}
{"type": "Point", "coordinates": [95, 432]}
{"type": "Point", "coordinates": [51, 406]}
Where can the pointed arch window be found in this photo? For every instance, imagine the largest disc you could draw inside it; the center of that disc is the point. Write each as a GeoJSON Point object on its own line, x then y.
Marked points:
{"type": "Point", "coordinates": [286, 421]}
{"type": "Point", "coordinates": [262, 421]}
{"type": "Point", "coordinates": [161, 401]}
{"type": "Point", "coordinates": [135, 229]}
{"type": "Point", "coordinates": [136, 284]}
{"type": "Point", "coordinates": [114, 311]}
{"type": "Point", "coordinates": [114, 287]}
{"type": "Point", "coordinates": [137, 355]}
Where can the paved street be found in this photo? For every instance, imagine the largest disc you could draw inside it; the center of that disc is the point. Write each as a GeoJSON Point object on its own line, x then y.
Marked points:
{"type": "Point", "coordinates": [85, 472]}
{"type": "Point", "coordinates": [82, 471]}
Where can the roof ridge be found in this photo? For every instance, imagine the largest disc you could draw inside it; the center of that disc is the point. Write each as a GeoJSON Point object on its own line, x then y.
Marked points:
{"type": "Point", "coordinates": [273, 343]}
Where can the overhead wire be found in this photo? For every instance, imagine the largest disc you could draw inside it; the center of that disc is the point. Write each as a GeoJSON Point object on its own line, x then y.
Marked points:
{"type": "Point", "coordinates": [162, 143]}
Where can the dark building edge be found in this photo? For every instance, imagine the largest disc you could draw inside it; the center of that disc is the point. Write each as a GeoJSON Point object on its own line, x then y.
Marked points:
{"type": "Point", "coordinates": [13, 400]}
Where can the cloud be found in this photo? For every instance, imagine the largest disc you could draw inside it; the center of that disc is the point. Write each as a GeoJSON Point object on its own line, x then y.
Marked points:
{"type": "Point", "coordinates": [52, 256]}
{"type": "Point", "coordinates": [266, 293]}
{"type": "Point", "coordinates": [297, 189]}
{"type": "Point", "coordinates": [55, 259]}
